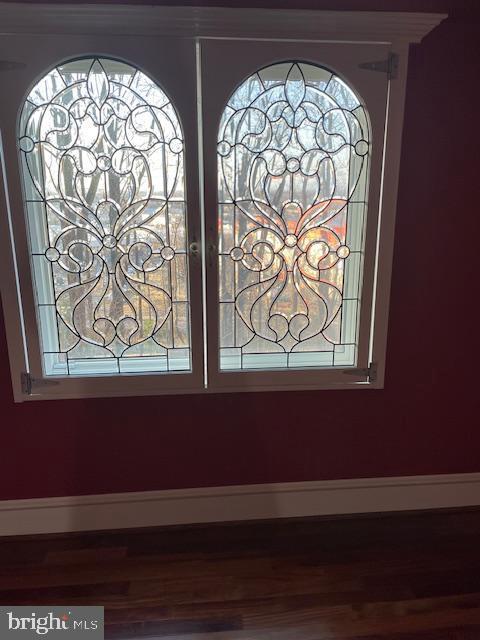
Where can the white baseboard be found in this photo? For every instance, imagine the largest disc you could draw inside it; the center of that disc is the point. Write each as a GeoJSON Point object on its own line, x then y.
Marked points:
{"type": "Point", "coordinates": [245, 502]}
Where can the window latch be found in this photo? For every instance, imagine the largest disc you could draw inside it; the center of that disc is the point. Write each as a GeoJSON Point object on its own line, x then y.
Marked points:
{"type": "Point", "coordinates": [29, 383]}
{"type": "Point", "coordinates": [194, 249]}
{"type": "Point", "coordinates": [369, 372]}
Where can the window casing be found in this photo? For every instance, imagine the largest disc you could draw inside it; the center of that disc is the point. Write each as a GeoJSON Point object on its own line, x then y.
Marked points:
{"type": "Point", "coordinates": [232, 63]}
{"type": "Point", "coordinates": [200, 86]}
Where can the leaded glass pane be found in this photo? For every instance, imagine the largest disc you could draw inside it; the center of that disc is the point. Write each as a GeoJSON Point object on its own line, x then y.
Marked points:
{"type": "Point", "coordinates": [103, 169]}
{"type": "Point", "coordinates": [293, 153]}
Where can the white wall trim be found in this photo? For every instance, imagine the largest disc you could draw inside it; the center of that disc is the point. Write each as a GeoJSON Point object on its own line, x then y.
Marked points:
{"type": "Point", "coordinates": [231, 503]}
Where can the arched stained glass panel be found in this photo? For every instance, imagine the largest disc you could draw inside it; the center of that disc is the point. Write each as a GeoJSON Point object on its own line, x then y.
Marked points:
{"type": "Point", "coordinates": [293, 152]}
{"type": "Point", "coordinates": [103, 170]}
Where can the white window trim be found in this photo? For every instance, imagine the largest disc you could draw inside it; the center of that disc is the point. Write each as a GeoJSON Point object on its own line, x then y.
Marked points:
{"type": "Point", "coordinates": [396, 30]}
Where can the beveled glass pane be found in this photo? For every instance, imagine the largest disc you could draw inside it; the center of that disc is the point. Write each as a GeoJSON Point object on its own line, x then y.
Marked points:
{"type": "Point", "coordinates": [103, 169]}
{"type": "Point", "coordinates": [293, 149]}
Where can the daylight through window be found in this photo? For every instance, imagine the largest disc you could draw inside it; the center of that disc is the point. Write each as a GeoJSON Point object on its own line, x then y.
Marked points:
{"type": "Point", "coordinates": [103, 170]}
{"type": "Point", "coordinates": [293, 150]}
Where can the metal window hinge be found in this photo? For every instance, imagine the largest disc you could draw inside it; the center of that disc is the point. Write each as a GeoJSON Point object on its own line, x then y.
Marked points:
{"type": "Point", "coordinates": [29, 383]}
{"type": "Point", "coordinates": [388, 66]}
{"type": "Point", "coordinates": [369, 372]}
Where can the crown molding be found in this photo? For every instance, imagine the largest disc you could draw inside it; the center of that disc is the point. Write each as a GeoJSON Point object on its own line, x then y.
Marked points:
{"type": "Point", "coordinates": [217, 22]}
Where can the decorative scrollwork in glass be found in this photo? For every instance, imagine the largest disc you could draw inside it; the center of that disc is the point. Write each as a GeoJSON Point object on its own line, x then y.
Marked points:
{"type": "Point", "coordinates": [293, 152]}
{"type": "Point", "coordinates": [103, 169]}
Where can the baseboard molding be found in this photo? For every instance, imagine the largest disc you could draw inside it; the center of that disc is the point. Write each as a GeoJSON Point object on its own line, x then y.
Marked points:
{"type": "Point", "coordinates": [231, 503]}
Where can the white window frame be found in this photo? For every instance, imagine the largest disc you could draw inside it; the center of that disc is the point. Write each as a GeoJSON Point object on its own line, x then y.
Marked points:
{"type": "Point", "coordinates": [34, 41]}
{"type": "Point", "coordinates": [228, 63]}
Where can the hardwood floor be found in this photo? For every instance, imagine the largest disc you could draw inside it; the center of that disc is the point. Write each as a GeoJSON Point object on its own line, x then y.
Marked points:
{"type": "Point", "coordinates": [402, 577]}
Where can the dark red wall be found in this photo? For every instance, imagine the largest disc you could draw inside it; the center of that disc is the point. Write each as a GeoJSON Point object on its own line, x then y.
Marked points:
{"type": "Point", "coordinates": [423, 422]}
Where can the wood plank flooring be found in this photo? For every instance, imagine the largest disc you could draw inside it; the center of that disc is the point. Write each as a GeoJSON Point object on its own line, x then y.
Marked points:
{"type": "Point", "coordinates": [402, 577]}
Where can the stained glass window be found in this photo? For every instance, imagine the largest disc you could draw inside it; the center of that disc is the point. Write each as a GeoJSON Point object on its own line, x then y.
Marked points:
{"type": "Point", "coordinates": [293, 154]}
{"type": "Point", "coordinates": [103, 171]}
